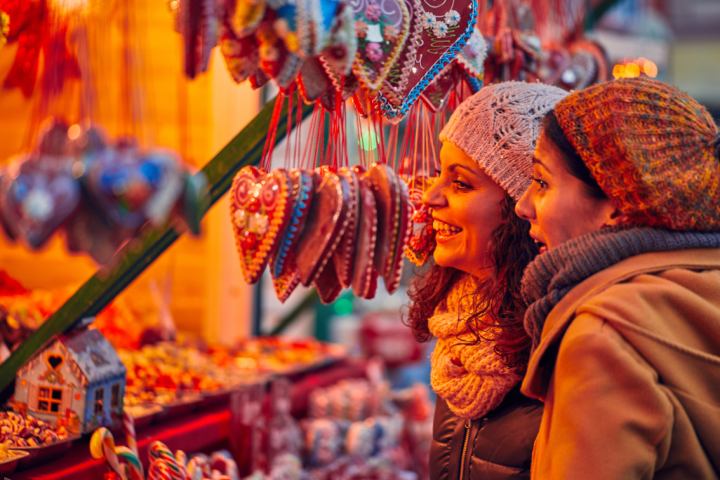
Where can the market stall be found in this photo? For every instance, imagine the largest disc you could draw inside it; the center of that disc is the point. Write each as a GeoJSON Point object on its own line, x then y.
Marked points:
{"type": "Point", "coordinates": [94, 387]}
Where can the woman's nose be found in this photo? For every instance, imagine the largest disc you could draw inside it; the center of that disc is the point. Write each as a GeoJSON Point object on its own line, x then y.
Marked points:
{"type": "Point", "coordinates": [525, 208]}
{"type": "Point", "coordinates": [434, 196]}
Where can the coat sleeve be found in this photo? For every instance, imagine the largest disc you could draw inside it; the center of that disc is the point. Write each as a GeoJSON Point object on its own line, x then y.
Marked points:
{"type": "Point", "coordinates": [606, 415]}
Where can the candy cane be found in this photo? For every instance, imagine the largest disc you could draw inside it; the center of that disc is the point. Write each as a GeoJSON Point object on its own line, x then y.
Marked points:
{"type": "Point", "coordinates": [195, 469]}
{"type": "Point", "coordinates": [160, 451]}
{"type": "Point", "coordinates": [129, 428]}
{"type": "Point", "coordinates": [102, 445]}
{"type": "Point", "coordinates": [159, 470]}
{"type": "Point", "coordinates": [181, 459]}
{"type": "Point", "coordinates": [133, 462]}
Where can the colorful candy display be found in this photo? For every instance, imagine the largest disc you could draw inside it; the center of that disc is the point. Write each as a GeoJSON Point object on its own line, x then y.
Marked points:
{"type": "Point", "coordinates": [324, 241]}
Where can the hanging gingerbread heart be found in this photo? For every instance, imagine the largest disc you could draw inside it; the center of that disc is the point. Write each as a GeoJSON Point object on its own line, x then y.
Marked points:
{"type": "Point", "coordinates": [314, 80]}
{"type": "Point", "coordinates": [321, 17]}
{"type": "Point", "coordinates": [382, 30]}
{"type": "Point", "coordinates": [38, 195]}
{"type": "Point", "coordinates": [388, 203]}
{"type": "Point", "coordinates": [472, 59]}
{"type": "Point", "coordinates": [394, 273]}
{"type": "Point", "coordinates": [260, 210]}
{"type": "Point", "coordinates": [286, 282]}
{"type": "Point", "coordinates": [445, 30]}
{"type": "Point", "coordinates": [302, 194]}
{"type": "Point", "coordinates": [327, 284]}
{"type": "Point", "coordinates": [291, 26]}
{"type": "Point", "coordinates": [339, 53]}
{"type": "Point", "coordinates": [241, 55]}
{"type": "Point", "coordinates": [324, 226]}
{"type": "Point", "coordinates": [244, 16]}
{"type": "Point", "coordinates": [344, 255]}
{"type": "Point", "coordinates": [364, 280]}
{"type": "Point", "coordinates": [396, 80]}
{"type": "Point", "coordinates": [436, 95]}
{"type": "Point", "coordinates": [275, 59]}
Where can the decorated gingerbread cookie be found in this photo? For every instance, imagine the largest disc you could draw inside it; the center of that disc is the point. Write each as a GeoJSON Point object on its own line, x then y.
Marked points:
{"type": "Point", "coordinates": [344, 255]}
{"type": "Point", "coordinates": [324, 226]}
{"type": "Point", "coordinates": [260, 210]}
{"type": "Point", "coordinates": [327, 284]}
{"type": "Point", "coordinates": [394, 273]}
{"type": "Point", "coordinates": [388, 202]}
{"type": "Point", "coordinates": [302, 192]}
{"type": "Point", "coordinates": [364, 280]}
{"type": "Point", "coordinates": [286, 282]}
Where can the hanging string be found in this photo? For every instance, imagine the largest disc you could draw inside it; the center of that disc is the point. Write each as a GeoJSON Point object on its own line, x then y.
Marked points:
{"type": "Point", "coordinates": [266, 159]}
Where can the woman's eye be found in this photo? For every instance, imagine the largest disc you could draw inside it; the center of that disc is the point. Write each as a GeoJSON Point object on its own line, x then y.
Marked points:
{"type": "Point", "coordinates": [540, 182]}
{"type": "Point", "coordinates": [460, 185]}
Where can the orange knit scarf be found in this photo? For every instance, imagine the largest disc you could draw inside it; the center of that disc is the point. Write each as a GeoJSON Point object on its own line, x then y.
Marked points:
{"type": "Point", "coordinates": [471, 378]}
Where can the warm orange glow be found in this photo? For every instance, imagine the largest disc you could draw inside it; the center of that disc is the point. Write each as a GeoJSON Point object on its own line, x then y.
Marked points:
{"type": "Point", "coordinates": [619, 71]}
{"type": "Point", "coordinates": [632, 70]}
{"type": "Point", "coordinates": [74, 132]}
{"type": "Point", "coordinates": [650, 69]}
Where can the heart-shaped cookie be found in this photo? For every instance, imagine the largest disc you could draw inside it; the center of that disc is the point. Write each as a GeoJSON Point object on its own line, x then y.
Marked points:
{"type": "Point", "coordinates": [436, 95]}
{"type": "Point", "coordinates": [240, 54]}
{"type": "Point", "coordinates": [327, 284]}
{"type": "Point", "coordinates": [276, 60]}
{"type": "Point", "coordinates": [39, 195]}
{"type": "Point", "coordinates": [344, 255]}
{"type": "Point", "coordinates": [339, 53]}
{"type": "Point", "coordinates": [314, 80]}
{"type": "Point", "coordinates": [388, 203]}
{"type": "Point", "coordinates": [286, 282]}
{"type": "Point", "coordinates": [324, 226]}
{"type": "Point", "coordinates": [364, 280]}
{"type": "Point", "coordinates": [260, 209]}
{"type": "Point", "coordinates": [397, 78]}
{"type": "Point", "coordinates": [444, 32]}
{"type": "Point", "coordinates": [394, 273]}
{"type": "Point", "coordinates": [302, 192]}
{"type": "Point", "coordinates": [472, 57]}
{"type": "Point", "coordinates": [382, 30]}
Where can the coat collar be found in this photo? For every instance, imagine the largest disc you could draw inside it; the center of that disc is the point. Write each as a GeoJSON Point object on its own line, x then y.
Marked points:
{"type": "Point", "coordinates": [542, 361]}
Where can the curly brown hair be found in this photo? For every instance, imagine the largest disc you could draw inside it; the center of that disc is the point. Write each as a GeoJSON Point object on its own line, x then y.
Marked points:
{"type": "Point", "coordinates": [498, 296]}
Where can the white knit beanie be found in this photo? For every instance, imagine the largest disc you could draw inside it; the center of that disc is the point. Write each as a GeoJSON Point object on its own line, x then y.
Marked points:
{"type": "Point", "coordinates": [498, 127]}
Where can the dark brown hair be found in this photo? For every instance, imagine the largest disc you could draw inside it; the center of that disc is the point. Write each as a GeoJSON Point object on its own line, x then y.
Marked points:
{"type": "Point", "coordinates": [552, 131]}
{"type": "Point", "coordinates": [498, 296]}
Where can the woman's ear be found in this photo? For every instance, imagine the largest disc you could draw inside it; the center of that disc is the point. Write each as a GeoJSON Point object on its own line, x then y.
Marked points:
{"type": "Point", "coordinates": [614, 217]}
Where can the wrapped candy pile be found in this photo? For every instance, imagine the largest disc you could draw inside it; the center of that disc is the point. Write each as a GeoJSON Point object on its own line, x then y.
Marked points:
{"type": "Point", "coordinates": [18, 431]}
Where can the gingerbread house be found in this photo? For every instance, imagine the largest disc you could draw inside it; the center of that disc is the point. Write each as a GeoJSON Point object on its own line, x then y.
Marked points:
{"type": "Point", "coordinates": [76, 380]}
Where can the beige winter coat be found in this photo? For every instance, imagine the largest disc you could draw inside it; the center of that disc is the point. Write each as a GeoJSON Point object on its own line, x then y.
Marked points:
{"type": "Point", "coordinates": [629, 369]}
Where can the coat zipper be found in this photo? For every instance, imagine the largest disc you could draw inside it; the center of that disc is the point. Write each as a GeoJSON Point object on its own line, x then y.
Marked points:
{"type": "Point", "coordinates": [465, 445]}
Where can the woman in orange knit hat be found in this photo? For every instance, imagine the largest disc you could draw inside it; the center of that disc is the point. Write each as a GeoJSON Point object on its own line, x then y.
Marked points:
{"type": "Point", "coordinates": [624, 300]}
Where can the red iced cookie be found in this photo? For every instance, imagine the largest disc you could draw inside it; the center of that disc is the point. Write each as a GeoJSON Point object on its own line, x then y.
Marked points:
{"type": "Point", "coordinates": [344, 255]}
{"type": "Point", "coordinates": [260, 210]}
{"type": "Point", "coordinates": [302, 192]}
{"type": "Point", "coordinates": [286, 283]}
{"type": "Point", "coordinates": [324, 226]}
{"type": "Point", "coordinates": [364, 280]}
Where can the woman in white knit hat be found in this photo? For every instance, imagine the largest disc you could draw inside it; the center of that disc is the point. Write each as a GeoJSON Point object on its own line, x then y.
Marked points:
{"type": "Point", "coordinates": [470, 297]}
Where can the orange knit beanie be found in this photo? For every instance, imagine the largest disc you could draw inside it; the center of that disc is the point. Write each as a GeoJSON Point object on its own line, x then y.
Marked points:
{"type": "Point", "coordinates": [652, 149]}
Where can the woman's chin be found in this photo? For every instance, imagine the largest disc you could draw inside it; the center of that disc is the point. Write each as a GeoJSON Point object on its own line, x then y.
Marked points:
{"type": "Point", "coordinates": [449, 260]}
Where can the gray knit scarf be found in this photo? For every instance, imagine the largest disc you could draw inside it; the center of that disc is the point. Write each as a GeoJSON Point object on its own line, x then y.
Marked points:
{"type": "Point", "coordinates": [549, 277]}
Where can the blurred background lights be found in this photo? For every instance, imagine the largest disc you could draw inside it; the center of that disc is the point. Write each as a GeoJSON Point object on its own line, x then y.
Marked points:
{"type": "Point", "coordinates": [635, 68]}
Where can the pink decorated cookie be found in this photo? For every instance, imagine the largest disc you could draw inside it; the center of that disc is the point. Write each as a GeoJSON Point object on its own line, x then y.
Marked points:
{"type": "Point", "coordinates": [344, 256]}
{"type": "Point", "coordinates": [260, 210]}
{"type": "Point", "coordinates": [324, 226]}
{"type": "Point", "coordinates": [364, 280]}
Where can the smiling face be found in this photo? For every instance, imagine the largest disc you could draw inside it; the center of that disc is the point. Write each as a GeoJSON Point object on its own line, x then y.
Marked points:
{"type": "Point", "coordinates": [466, 210]}
{"type": "Point", "coordinates": [557, 204]}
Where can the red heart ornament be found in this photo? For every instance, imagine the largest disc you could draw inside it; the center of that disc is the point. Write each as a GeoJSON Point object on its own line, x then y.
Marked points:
{"type": "Point", "coordinates": [445, 30]}
{"type": "Point", "coordinates": [324, 226]}
{"type": "Point", "coordinates": [345, 251]}
{"type": "Point", "coordinates": [436, 95]}
{"type": "Point", "coordinates": [382, 31]}
{"type": "Point", "coordinates": [286, 283]}
{"type": "Point", "coordinates": [260, 209]}
{"type": "Point", "coordinates": [364, 281]}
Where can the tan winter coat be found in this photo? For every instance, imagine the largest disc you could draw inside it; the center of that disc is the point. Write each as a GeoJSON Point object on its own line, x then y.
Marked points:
{"type": "Point", "coordinates": [629, 369]}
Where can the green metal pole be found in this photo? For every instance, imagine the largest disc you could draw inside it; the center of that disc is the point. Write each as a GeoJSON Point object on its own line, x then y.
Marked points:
{"type": "Point", "coordinates": [245, 149]}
